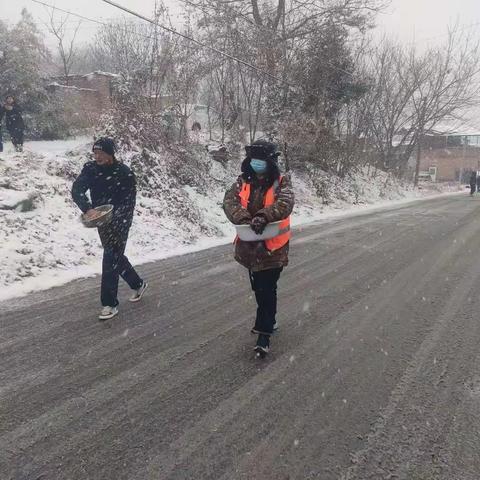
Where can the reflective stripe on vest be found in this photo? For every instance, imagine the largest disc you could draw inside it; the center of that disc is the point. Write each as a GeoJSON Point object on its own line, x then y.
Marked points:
{"type": "Point", "coordinates": [284, 234]}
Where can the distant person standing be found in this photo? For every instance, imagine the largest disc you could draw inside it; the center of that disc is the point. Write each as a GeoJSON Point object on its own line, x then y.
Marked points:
{"type": "Point", "coordinates": [14, 122]}
{"type": "Point", "coordinates": [473, 182]}
{"type": "Point", "coordinates": [110, 182]}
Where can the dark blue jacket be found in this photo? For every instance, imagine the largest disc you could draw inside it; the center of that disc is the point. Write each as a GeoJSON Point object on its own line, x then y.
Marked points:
{"type": "Point", "coordinates": [114, 184]}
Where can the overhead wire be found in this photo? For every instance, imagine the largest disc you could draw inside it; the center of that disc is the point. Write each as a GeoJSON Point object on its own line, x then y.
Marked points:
{"type": "Point", "coordinates": [203, 45]}
{"type": "Point", "coordinates": [191, 39]}
{"type": "Point", "coordinates": [168, 29]}
{"type": "Point", "coordinates": [261, 30]}
{"type": "Point", "coordinates": [186, 37]}
{"type": "Point", "coordinates": [68, 12]}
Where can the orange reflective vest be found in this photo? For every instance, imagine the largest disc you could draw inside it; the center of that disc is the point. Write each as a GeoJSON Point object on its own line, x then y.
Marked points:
{"type": "Point", "coordinates": [284, 236]}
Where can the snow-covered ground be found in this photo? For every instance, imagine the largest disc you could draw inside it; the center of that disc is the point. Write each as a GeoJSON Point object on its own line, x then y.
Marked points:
{"type": "Point", "coordinates": [43, 243]}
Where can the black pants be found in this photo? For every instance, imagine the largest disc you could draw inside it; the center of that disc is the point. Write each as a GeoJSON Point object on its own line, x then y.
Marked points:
{"type": "Point", "coordinates": [264, 284]}
{"type": "Point", "coordinates": [472, 188]}
{"type": "Point", "coordinates": [17, 138]}
{"type": "Point", "coordinates": [115, 264]}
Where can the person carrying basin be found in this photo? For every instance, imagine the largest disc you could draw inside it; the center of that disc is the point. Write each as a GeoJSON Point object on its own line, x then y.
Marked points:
{"type": "Point", "coordinates": [261, 196]}
{"type": "Point", "coordinates": [110, 182]}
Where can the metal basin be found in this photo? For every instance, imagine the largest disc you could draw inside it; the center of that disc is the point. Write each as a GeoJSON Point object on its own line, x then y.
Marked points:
{"type": "Point", "coordinates": [105, 214]}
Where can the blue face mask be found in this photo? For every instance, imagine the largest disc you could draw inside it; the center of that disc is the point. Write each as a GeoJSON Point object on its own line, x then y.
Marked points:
{"type": "Point", "coordinates": [259, 166]}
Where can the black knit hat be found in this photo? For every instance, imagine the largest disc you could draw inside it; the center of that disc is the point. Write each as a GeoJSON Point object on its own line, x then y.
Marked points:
{"type": "Point", "coordinates": [106, 145]}
{"type": "Point", "coordinates": [262, 150]}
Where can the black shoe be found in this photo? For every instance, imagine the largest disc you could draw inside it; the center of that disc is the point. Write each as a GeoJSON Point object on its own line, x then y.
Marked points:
{"type": "Point", "coordinates": [263, 346]}
{"type": "Point", "coordinates": [257, 332]}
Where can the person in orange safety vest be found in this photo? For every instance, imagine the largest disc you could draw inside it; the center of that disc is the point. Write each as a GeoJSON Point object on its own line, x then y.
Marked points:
{"type": "Point", "coordinates": [260, 196]}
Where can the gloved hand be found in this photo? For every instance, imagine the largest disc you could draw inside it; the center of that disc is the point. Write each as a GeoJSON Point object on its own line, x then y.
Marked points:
{"type": "Point", "coordinates": [244, 219]}
{"type": "Point", "coordinates": [258, 224]}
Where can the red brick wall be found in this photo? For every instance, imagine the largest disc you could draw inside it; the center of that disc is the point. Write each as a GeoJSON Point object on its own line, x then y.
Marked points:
{"type": "Point", "coordinates": [80, 106]}
{"type": "Point", "coordinates": [451, 161]}
{"type": "Point", "coordinates": [93, 92]}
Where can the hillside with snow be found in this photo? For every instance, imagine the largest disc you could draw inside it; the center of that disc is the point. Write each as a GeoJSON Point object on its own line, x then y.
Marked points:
{"type": "Point", "coordinates": [43, 243]}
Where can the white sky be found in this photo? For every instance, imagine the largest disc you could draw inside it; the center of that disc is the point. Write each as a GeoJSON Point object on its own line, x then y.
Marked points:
{"type": "Point", "coordinates": [409, 20]}
{"type": "Point", "coordinates": [428, 20]}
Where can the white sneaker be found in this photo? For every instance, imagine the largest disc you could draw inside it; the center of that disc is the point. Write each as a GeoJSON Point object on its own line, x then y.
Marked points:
{"type": "Point", "coordinates": [108, 312]}
{"type": "Point", "coordinates": [137, 296]}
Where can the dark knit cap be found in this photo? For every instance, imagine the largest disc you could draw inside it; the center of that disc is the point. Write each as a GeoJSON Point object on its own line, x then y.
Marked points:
{"type": "Point", "coordinates": [106, 145]}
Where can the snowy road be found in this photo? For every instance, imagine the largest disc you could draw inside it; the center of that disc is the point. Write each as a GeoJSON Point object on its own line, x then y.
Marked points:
{"type": "Point", "coordinates": [374, 374]}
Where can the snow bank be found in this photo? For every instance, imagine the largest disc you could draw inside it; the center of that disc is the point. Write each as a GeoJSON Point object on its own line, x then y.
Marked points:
{"type": "Point", "coordinates": [14, 200]}
{"type": "Point", "coordinates": [48, 245]}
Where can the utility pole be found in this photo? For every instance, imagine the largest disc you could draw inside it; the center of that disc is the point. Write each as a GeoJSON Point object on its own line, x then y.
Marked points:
{"type": "Point", "coordinates": [419, 157]}
{"type": "Point", "coordinates": [421, 134]}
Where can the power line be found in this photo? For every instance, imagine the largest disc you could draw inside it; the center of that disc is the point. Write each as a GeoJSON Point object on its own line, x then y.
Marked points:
{"type": "Point", "coordinates": [170, 30]}
{"type": "Point", "coordinates": [197, 42]}
{"type": "Point", "coordinates": [261, 30]}
{"type": "Point", "coordinates": [69, 13]}
{"type": "Point", "coordinates": [231, 57]}
{"type": "Point", "coordinates": [98, 22]}
{"type": "Point", "coordinates": [201, 44]}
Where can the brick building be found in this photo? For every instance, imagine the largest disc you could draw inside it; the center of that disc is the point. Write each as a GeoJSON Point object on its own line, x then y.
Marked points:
{"type": "Point", "coordinates": [84, 94]}
{"type": "Point", "coordinates": [452, 156]}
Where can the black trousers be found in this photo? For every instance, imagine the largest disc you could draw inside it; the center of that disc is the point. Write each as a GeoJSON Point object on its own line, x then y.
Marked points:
{"type": "Point", "coordinates": [114, 265]}
{"type": "Point", "coordinates": [17, 138]}
{"type": "Point", "coordinates": [472, 188]}
{"type": "Point", "coordinates": [264, 284]}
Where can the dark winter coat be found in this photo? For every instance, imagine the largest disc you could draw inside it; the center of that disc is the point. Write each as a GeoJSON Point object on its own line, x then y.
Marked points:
{"type": "Point", "coordinates": [473, 179]}
{"type": "Point", "coordinates": [14, 121]}
{"type": "Point", "coordinates": [114, 184]}
{"type": "Point", "coordinates": [254, 255]}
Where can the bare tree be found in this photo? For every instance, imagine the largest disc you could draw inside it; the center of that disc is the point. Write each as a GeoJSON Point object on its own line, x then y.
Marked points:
{"type": "Point", "coordinates": [123, 47]}
{"type": "Point", "coordinates": [253, 93]}
{"type": "Point", "coordinates": [189, 70]}
{"type": "Point", "coordinates": [447, 85]}
{"type": "Point", "coordinates": [389, 118]}
{"type": "Point", "coordinates": [220, 81]}
{"type": "Point", "coordinates": [411, 92]}
{"type": "Point", "coordinates": [67, 48]}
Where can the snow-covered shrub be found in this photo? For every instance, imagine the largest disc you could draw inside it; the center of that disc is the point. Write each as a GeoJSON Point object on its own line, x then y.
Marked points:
{"type": "Point", "coordinates": [53, 121]}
